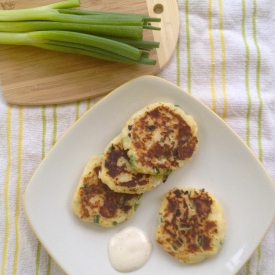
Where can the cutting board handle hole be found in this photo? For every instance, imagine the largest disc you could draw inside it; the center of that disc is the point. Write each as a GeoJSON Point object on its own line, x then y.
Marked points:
{"type": "Point", "coordinates": [158, 9]}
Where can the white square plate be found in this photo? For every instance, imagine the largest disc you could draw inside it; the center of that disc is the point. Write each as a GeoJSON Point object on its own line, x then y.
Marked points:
{"type": "Point", "coordinates": [223, 165]}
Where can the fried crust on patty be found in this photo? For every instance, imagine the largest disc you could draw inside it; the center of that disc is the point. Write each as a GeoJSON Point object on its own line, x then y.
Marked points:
{"type": "Point", "coordinates": [119, 175]}
{"type": "Point", "coordinates": [95, 202]}
{"type": "Point", "coordinates": [191, 226]}
{"type": "Point", "coordinates": [160, 138]}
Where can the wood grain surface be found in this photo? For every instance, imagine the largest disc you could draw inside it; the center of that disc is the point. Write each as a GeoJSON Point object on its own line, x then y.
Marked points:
{"type": "Point", "coordinates": [32, 76]}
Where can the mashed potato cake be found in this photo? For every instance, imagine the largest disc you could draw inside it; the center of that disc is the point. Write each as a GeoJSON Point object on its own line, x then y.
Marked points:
{"type": "Point", "coordinates": [95, 202]}
{"type": "Point", "coordinates": [119, 175]}
{"type": "Point", "coordinates": [191, 225]}
{"type": "Point", "coordinates": [160, 138]}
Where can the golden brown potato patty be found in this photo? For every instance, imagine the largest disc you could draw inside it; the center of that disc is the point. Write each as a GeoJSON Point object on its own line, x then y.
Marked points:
{"type": "Point", "coordinates": [95, 202]}
{"type": "Point", "coordinates": [118, 174]}
{"type": "Point", "coordinates": [191, 226]}
{"type": "Point", "coordinates": [160, 138]}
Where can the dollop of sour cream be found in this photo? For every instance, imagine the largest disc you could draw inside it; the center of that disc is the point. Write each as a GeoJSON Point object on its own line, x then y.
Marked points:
{"type": "Point", "coordinates": [129, 249]}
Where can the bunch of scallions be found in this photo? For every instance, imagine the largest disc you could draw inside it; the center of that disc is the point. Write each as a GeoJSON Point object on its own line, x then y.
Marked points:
{"type": "Point", "coordinates": [111, 36]}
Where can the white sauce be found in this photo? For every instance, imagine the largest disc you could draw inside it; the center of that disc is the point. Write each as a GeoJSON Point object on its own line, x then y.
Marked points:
{"type": "Point", "coordinates": [129, 249]}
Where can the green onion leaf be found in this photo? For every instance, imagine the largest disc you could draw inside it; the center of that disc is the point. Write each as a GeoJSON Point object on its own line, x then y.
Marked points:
{"type": "Point", "coordinates": [89, 40]}
{"type": "Point", "coordinates": [168, 172]}
{"type": "Point", "coordinates": [199, 240]}
{"type": "Point", "coordinates": [156, 170]}
{"type": "Point", "coordinates": [111, 148]}
{"type": "Point", "coordinates": [110, 36]}
{"type": "Point", "coordinates": [96, 218]}
{"type": "Point", "coordinates": [131, 160]}
{"type": "Point", "coordinates": [128, 32]}
{"type": "Point", "coordinates": [175, 246]}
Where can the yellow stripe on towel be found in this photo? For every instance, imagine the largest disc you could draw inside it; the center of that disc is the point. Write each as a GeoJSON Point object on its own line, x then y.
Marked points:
{"type": "Point", "coordinates": [18, 193]}
{"type": "Point", "coordinates": [88, 104]}
{"type": "Point", "coordinates": [49, 266]}
{"type": "Point", "coordinates": [258, 74]}
{"type": "Point", "coordinates": [77, 110]}
{"type": "Point", "coordinates": [223, 61]}
{"type": "Point", "coordinates": [260, 110]}
{"type": "Point", "coordinates": [44, 122]}
{"type": "Point", "coordinates": [178, 62]}
{"type": "Point", "coordinates": [54, 125]}
{"type": "Point", "coordinates": [187, 27]}
{"type": "Point", "coordinates": [247, 58]}
{"type": "Point", "coordinates": [247, 53]}
{"type": "Point", "coordinates": [6, 191]}
{"type": "Point", "coordinates": [212, 56]}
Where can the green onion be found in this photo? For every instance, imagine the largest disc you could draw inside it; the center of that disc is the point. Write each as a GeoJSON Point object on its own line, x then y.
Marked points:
{"type": "Point", "coordinates": [199, 240]}
{"type": "Point", "coordinates": [132, 160]}
{"type": "Point", "coordinates": [110, 36]}
{"type": "Point", "coordinates": [98, 20]}
{"type": "Point", "coordinates": [133, 32]}
{"type": "Point", "coordinates": [141, 44]}
{"type": "Point", "coordinates": [151, 28]}
{"type": "Point", "coordinates": [150, 128]}
{"type": "Point", "coordinates": [156, 170]}
{"type": "Point", "coordinates": [90, 40]}
{"type": "Point", "coordinates": [191, 206]}
{"type": "Point", "coordinates": [145, 54]}
{"type": "Point", "coordinates": [148, 19]}
{"type": "Point", "coordinates": [67, 49]}
{"type": "Point", "coordinates": [35, 38]}
{"type": "Point", "coordinates": [111, 148]}
{"type": "Point", "coordinates": [168, 172]}
{"type": "Point", "coordinates": [54, 15]}
{"type": "Point", "coordinates": [139, 196]}
{"type": "Point", "coordinates": [63, 5]}
{"type": "Point", "coordinates": [96, 218]}
{"type": "Point", "coordinates": [85, 185]}
{"type": "Point", "coordinates": [145, 17]}
{"type": "Point", "coordinates": [175, 246]}
{"type": "Point", "coordinates": [36, 13]}
{"type": "Point", "coordinates": [185, 226]}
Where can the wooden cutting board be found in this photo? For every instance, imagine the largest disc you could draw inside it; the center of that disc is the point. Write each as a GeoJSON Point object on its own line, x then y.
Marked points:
{"type": "Point", "coordinates": [32, 76]}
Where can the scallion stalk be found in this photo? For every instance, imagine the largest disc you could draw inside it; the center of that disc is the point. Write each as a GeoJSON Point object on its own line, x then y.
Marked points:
{"type": "Point", "coordinates": [90, 40]}
{"type": "Point", "coordinates": [30, 13]}
{"type": "Point", "coordinates": [32, 38]}
{"type": "Point", "coordinates": [53, 15]}
{"type": "Point", "coordinates": [110, 36]}
{"type": "Point", "coordinates": [67, 49]}
{"type": "Point", "coordinates": [88, 19]}
{"type": "Point", "coordinates": [133, 32]}
{"type": "Point", "coordinates": [140, 44]}
{"type": "Point", "coordinates": [63, 4]}
{"type": "Point", "coordinates": [145, 17]}
{"type": "Point", "coordinates": [148, 27]}
{"type": "Point", "coordinates": [143, 57]}
{"type": "Point", "coordinates": [83, 47]}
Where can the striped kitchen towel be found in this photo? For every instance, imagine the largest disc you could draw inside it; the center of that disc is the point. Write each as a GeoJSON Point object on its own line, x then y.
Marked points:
{"type": "Point", "coordinates": [224, 57]}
